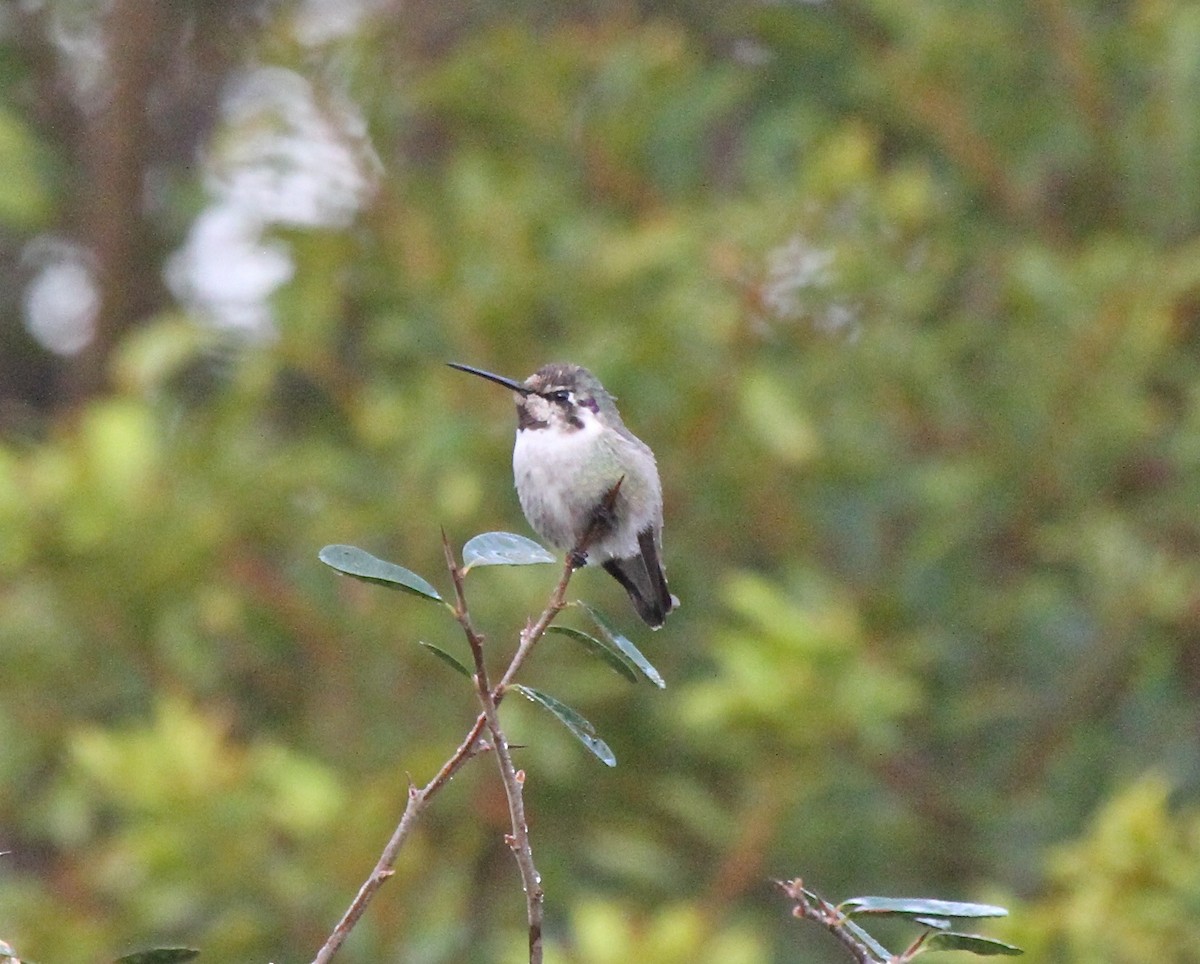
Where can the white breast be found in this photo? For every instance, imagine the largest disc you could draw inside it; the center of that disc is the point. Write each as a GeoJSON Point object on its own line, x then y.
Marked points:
{"type": "Point", "coordinates": [561, 478]}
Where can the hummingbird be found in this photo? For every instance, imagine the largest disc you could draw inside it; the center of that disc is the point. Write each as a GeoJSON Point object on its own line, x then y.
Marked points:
{"type": "Point", "coordinates": [582, 476]}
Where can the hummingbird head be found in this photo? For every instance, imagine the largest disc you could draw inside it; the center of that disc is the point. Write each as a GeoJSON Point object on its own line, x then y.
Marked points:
{"type": "Point", "coordinates": [557, 396]}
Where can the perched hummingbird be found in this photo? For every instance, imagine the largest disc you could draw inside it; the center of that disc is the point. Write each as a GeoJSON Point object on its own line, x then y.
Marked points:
{"type": "Point", "coordinates": [579, 471]}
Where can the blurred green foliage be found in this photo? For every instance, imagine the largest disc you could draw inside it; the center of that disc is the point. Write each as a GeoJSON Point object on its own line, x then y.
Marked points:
{"type": "Point", "coordinates": [1128, 888]}
{"type": "Point", "coordinates": [906, 298]}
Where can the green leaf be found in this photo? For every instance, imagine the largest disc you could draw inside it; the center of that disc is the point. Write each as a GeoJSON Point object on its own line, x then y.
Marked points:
{"type": "Point", "coordinates": [605, 650]}
{"type": "Point", "coordinates": [503, 549]}
{"type": "Point", "coordinates": [917, 907]}
{"type": "Point", "coordinates": [937, 923]}
{"type": "Point", "coordinates": [864, 938]}
{"type": "Point", "coordinates": [627, 649]}
{"type": "Point", "coordinates": [352, 561]}
{"type": "Point", "coordinates": [817, 901]}
{"type": "Point", "coordinates": [160, 955]}
{"type": "Point", "coordinates": [983, 946]}
{"type": "Point", "coordinates": [451, 661]}
{"type": "Point", "coordinates": [584, 732]}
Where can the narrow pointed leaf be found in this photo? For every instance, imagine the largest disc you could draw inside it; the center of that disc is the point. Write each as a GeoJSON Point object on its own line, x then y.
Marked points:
{"type": "Point", "coordinates": [864, 938]}
{"type": "Point", "coordinates": [937, 923]}
{"type": "Point", "coordinates": [583, 731]}
{"type": "Point", "coordinates": [451, 661]}
{"type": "Point", "coordinates": [602, 648]}
{"type": "Point", "coordinates": [160, 955]}
{"type": "Point", "coordinates": [917, 907]}
{"type": "Point", "coordinates": [631, 652]}
{"type": "Point", "coordinates": [352, 561]}
{"type": "Point", "coordinates": [503, 549]}
{"type": "Point", "coordinates": [983, 946]}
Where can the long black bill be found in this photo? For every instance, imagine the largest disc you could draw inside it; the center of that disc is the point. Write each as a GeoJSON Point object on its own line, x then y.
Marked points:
{"type": "Point", "coordinates": [498, 379]}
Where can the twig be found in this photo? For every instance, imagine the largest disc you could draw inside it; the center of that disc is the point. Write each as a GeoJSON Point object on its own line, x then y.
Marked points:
{"type": "Point", "coordinates": [813, 907]}
{"type": "Point", "coordinates": [472, 746]}
{"type": "Point", "coordinates": [535, 631]}
{"type": "Point", "coordinates": [518, 841]}
{"type": "Point", "coordinates": [558, 599]}
{"type": "Point", "coordinates": [417, 801]}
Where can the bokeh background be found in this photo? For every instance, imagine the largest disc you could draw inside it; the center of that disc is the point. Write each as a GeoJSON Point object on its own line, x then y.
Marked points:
{"type": "Point", "coordinates": [906, 298]}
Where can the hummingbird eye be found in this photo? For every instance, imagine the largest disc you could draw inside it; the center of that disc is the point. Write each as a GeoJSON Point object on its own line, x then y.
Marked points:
{"type": "Point", "coordinates": [560, 395]}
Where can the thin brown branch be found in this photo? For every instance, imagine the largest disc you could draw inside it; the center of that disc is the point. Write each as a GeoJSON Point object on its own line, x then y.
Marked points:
{"type": "Point", "coordinates": [518, 841]}
{"type": "Point", "coordinates": [536, 630]}
{"type": "Point", "coordinates": [472, 745]}
{"type": "Point", "coordinates": [417, 801]}
{"type": "Point", "coordinates": [558, 599]}
{"type": "Point", "coordinates": [813, 907]}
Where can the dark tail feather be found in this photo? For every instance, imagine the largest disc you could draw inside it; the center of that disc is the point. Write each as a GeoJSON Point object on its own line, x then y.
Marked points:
{"type": "Point", "coordinates": [643, 578]}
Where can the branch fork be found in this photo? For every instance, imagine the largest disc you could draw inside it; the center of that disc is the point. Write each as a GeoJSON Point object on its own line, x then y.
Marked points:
{"type": "Point", "coordinates": [475, 744]}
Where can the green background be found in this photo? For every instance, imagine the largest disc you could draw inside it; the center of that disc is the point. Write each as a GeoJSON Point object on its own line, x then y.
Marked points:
{"type": "Point", "coordinates": [906, 299]}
